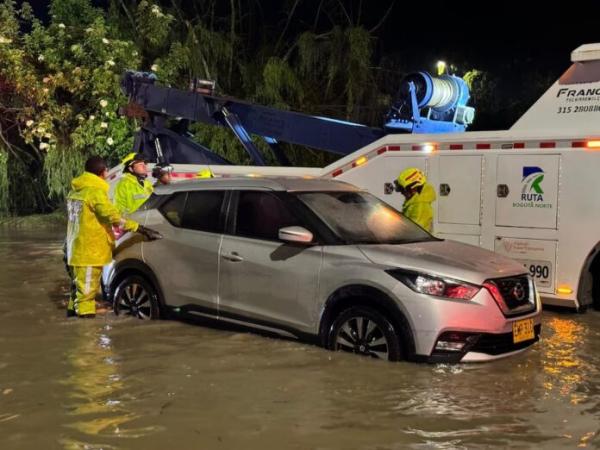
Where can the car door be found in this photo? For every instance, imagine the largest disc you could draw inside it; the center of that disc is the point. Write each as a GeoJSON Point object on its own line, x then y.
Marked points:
{"type": "Point", "coordinates": [186, 260]}
{"type": "Point", "coordinates": [263, 279]}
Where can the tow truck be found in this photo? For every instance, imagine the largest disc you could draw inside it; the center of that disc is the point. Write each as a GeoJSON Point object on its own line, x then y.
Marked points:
{"type": "Point", "coordinates": [529, 192]}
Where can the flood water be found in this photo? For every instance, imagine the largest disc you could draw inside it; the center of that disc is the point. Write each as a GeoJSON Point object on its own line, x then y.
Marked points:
{"type": "Point", "coordinates": [118, 383]}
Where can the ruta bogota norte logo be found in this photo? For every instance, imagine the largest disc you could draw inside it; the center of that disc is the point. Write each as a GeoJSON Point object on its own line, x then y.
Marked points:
{"type": "Point", "coordinates": [532, 189]}
{"type": "Point", "coordinates": [532, 192]}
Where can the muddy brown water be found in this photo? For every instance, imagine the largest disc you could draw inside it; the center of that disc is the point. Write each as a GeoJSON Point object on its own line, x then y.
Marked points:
{"type": "Point", "coordinates": [118, 383]}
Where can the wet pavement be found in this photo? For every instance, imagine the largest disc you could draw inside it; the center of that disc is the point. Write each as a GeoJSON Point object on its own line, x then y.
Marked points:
{"type": "Point", "coordinates": [118, 383]}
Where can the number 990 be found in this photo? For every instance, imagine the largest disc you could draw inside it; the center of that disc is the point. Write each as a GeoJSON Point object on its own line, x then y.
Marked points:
{"type": "Point", "coordinates": [539, 271]}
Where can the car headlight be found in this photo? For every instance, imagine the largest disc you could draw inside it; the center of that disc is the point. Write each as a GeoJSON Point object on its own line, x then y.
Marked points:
{"type": "Point", "coordinates": [438, 287]}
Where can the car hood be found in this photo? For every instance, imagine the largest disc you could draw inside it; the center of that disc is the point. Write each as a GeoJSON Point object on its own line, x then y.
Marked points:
{"type": "Point", "coordinates": [444, 258]}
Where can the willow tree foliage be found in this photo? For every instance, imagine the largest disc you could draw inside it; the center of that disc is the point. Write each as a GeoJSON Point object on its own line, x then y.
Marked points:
{"type": "Point", "coordinates": [60, 94]}
{"type": "Point", "coordinates": [325, 69]}
{"type": "Point", "coordinates": [59, 80]}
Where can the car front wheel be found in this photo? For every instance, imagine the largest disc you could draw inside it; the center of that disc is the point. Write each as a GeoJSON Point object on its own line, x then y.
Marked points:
{"type": "Point", "coordinates": [136, 297]}
{"type": "Point", "coordinates": [364, 331]}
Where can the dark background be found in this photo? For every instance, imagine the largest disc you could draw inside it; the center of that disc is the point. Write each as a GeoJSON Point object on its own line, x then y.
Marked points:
{"type": "Point", "coordinates": [522, 46]}
{"type": "Point", "coordinates": [488, 34]}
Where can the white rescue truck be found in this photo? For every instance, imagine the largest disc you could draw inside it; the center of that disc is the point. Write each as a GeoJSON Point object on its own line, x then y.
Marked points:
{"type": "Point", "coordinates": [531, 192]}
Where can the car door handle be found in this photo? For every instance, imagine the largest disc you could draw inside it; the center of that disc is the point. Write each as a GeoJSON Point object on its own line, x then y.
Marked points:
{"type": "Point", "coordinates": [233, 257]}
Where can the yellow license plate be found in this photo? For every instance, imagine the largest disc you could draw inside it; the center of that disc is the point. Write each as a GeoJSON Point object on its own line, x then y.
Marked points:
{"type": "Point", "coordinates": [523, 330]}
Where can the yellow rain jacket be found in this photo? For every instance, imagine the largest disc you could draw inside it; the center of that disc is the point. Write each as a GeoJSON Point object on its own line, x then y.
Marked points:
{"type": "Point", "coordinates": [90, 239]}
{"type": "Point", "coordinates": [130, 194]}
{"type": "Point", "coordinates": [419, 207]}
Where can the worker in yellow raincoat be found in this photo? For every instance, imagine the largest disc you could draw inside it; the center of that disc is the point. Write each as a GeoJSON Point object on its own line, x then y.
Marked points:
{"type": "Point", "coordinates": [133, 189]}
{"type": "Point", "coordinates": [90, 240]}
{"type": "Point", "coordinates": [419, 197]}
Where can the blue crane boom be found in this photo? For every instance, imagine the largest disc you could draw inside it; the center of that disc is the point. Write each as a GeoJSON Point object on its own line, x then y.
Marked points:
{"type": "Point", "coordinates": [275, 125]}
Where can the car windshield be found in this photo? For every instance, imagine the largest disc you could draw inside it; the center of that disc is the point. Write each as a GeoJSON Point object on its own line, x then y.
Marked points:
{"type": "Point", "coordinates": [361, 218]}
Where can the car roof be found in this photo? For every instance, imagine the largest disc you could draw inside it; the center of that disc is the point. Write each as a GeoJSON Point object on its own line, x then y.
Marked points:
{"type": "Point", "coordinates": [289, 184]}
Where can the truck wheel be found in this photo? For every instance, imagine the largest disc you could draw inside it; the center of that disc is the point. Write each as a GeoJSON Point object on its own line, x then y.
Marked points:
{"type": "Point", "coordinates": [595, 287]}
{"type": "Point", "coordinates": [364, 331]}
{"type": "Point", "coordinates": [136, 297]}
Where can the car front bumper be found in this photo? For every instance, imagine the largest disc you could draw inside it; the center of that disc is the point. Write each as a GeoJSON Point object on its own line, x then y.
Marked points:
{"type": "Point", "coordinates": [483, 347]}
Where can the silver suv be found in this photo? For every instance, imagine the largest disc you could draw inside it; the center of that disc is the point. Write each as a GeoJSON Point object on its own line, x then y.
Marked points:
{"type": "Point", "coordinates": [326, 262]}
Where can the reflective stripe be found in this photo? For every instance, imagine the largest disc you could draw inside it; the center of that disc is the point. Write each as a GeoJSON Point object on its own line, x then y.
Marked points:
{"type": "Point", "coordinates": [412, 175]}
{"type": "Point", "coordinates": [88, 280]}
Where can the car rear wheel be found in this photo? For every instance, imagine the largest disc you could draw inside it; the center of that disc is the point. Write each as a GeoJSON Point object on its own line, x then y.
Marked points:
{"type": "Point", "coordinates": [136, 297]}
{"type": "Point", "coordinates": [365, 331]}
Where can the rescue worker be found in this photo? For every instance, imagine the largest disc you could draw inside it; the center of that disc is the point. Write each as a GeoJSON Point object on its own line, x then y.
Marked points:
{"type": "Point", "coordinates": [162, 173]}
{"type": "Point", "coordinates": [419, 196]}
{"type": "Point", "coordinates": [205, 173]}
{"type": "Point", "coordinates": [90, 239]}
{"type": "Point", "coordinates": [133, 189]}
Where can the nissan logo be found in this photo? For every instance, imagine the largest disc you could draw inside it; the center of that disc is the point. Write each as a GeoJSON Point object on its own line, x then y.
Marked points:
{"type": "Point", "coordinates": [518, 292]}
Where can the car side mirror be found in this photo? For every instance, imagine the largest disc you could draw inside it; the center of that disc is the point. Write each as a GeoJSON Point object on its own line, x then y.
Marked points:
{"type": "Point", "coordinates": [298, 235]}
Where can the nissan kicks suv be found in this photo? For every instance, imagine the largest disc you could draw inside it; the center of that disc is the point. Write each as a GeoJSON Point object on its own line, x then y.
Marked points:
{"type": "Point", "coordinates": [322, 261]}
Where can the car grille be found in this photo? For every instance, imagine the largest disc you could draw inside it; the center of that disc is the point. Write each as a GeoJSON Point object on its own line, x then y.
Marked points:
{"type": "Point", "coordinates": [518, 296]}
{"type": "Point", "coordinates": [514, 290]}
{"type": "Point", "coordinates": [497, 344]}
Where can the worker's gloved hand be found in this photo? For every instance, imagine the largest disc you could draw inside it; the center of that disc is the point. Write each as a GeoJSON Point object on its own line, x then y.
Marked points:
{"type": "Point", "coordinates": [148, 233]}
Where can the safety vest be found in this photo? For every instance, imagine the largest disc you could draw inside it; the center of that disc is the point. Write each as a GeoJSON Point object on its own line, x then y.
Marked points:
{"type": "Point", "coordinates": [129, 194]}
{"type": "Point", "coordinates": [419, 207]}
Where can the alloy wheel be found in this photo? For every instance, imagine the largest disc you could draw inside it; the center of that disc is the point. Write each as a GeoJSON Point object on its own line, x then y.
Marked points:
{"type": "Point", "coordinates": [134, 300]}
{"type": "Point", "coordinates": [362, 335]}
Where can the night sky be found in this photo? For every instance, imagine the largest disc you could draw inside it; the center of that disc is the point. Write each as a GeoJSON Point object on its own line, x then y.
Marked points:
{"type": "Point", "coordinates": [524, 49]}
{"type": "Point", "coordinates": [487, 34]}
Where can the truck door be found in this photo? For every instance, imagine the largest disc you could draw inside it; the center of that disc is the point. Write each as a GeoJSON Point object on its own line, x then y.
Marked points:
{"type": "Point", "coordinates": [375, 176]}
{"type": "Point", "coordinates": [459, 193]}
{"type": "Point", "coordinates": [527, 191]}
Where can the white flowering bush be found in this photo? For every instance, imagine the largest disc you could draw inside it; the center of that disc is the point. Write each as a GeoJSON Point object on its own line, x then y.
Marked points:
{"type": "Point", "coordinates": [59, 81]}
{"type": "Point", "coordinates": [63, 83]}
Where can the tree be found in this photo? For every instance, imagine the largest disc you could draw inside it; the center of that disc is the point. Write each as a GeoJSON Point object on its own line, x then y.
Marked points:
{"type": "Point", "coordinates": [61, 91]}
{"type": "Point", "coordinates": [59, 82]}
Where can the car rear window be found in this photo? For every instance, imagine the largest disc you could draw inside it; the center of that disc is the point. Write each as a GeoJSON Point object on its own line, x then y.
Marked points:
{"type": "Point", "coordinates": [172, 209]}
{"type": "Point", "coordinates": [203, 211]}
{"type": "Point", "coordinates": [153, 201]}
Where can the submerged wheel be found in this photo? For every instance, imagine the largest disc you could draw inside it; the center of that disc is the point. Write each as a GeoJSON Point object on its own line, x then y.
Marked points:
{"type": "Point", "coordinates": [364, 331]}
{"type": "Point", "coordinates": [136, 297]}
{"type": "Point", "coordinates": [596, 286]}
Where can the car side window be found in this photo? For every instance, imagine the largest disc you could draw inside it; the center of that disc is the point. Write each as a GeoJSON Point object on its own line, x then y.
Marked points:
{"type": "Point", "coordinates": [260, 215]}
{"type": "Point", "coordinates": [172, 209]}
{"type": "Point", "coordinates": [203, 211]}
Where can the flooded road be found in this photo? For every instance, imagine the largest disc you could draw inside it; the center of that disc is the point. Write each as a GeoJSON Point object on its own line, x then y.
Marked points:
{"type": "Point", "coordinates": [114, 383]}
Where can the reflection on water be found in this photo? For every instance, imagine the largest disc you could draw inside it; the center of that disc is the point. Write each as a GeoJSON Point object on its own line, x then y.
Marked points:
{"type": "Point", "coordinates": [562, 363]}
{"type": "Point", "coordinates": [115, 383]}
{"type": "Point", "coordinates": [93, 385]}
